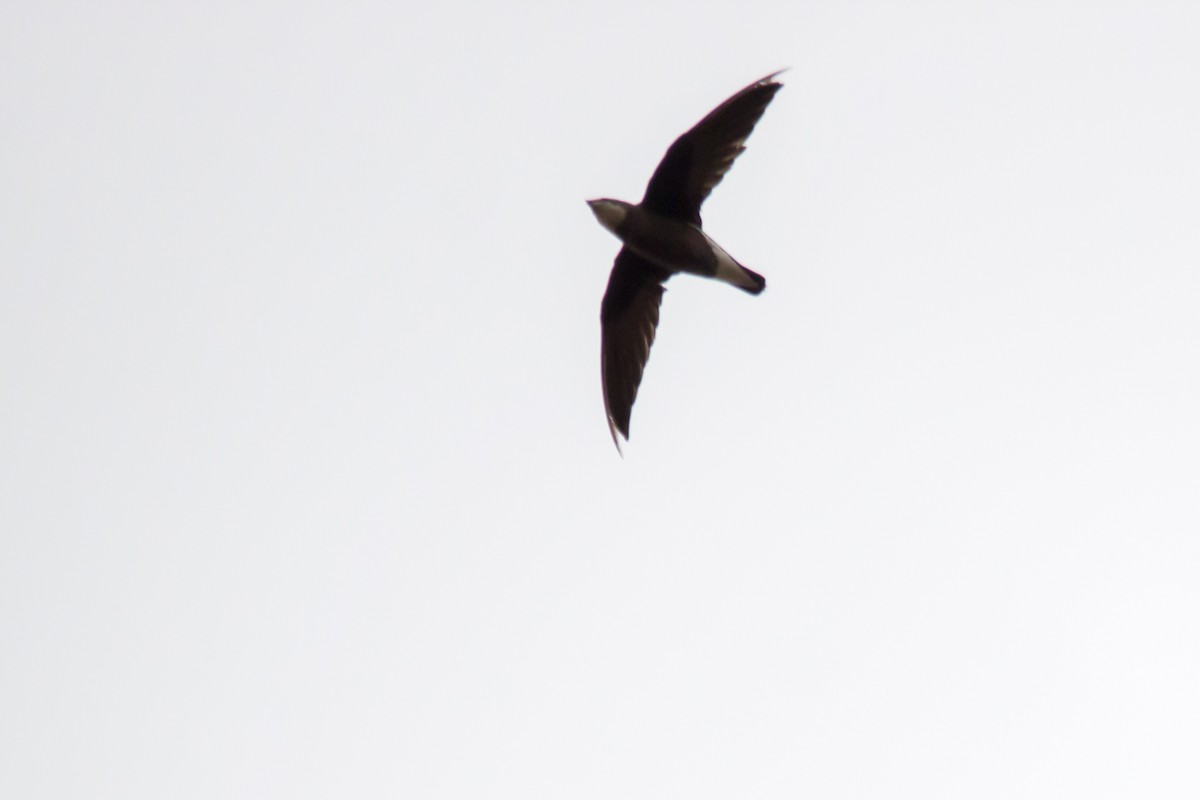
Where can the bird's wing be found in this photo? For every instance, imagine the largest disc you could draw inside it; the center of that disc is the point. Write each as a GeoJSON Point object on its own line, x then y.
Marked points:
{"type": "Point", "coordinates": [628, 318]}
{"type": "Point", "coordinates": [699, 159]}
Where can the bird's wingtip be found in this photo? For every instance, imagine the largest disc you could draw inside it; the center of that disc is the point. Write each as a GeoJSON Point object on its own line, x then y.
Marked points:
{"type": "Point", "coordinates": [612, 429]}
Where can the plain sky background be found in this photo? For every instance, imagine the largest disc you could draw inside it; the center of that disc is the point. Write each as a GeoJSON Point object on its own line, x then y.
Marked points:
{"type": "Point", "coordinates": [305, 484]}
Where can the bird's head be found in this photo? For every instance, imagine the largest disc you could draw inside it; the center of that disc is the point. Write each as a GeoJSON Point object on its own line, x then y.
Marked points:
{"type": "Point", "coordinates": [611, 213]}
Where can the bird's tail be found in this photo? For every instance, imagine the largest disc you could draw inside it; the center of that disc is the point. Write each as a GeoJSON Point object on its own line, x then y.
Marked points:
{"type": "Point", "coordinates": [750, 281]}
{"type": "Point", "coordinates": [731, 271]}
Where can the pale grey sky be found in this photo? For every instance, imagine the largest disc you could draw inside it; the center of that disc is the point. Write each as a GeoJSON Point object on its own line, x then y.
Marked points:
{"type": "Point", "coordinates": [305, 484]}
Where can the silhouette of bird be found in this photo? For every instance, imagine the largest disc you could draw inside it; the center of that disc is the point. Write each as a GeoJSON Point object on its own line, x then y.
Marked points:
{"type": "Point", "coordinates": [662, 236]}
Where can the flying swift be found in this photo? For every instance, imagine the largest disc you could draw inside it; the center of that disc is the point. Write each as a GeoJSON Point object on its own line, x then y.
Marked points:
{"type": "Point", "coordinates": [662, 236]}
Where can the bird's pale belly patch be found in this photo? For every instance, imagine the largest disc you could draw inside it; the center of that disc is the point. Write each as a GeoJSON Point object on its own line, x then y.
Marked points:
{"type": "Point", "coordinates": [728, 270]}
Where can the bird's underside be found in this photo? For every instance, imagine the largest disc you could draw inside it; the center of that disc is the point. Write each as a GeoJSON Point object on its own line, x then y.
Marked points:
{"type": "Point", "coordinates": [663, 236]}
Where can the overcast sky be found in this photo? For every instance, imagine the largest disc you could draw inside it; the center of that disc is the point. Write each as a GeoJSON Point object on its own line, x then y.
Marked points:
{"type": "Point", "coordinates": [306, 489]}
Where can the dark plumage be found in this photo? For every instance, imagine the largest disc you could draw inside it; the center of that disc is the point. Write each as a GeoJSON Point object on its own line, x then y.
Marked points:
{"type": "Point", "coordinates": [663, 236]}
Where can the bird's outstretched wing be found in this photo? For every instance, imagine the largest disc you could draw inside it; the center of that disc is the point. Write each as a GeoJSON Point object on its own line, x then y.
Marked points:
{"type": "Point", "coordinates": [628, 319]}
{"type": "Point", "coordinates": [699, 159]}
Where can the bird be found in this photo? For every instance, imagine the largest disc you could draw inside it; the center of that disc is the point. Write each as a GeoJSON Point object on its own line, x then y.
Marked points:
{"type": "Point", "coordinates": [663, 235]}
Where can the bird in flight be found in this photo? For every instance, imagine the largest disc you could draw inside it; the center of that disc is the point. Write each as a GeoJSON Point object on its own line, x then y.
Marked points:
{"type": "Point", "coordinates": [662, 235]}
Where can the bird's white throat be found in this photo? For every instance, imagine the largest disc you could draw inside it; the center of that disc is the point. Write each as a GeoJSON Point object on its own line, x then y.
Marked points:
{"type": "Point", "coordinates": [610, 213]}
